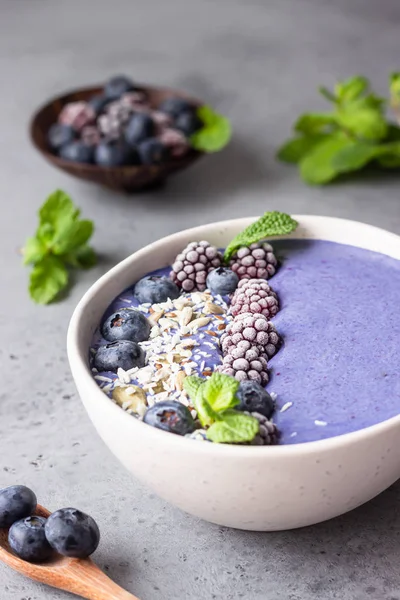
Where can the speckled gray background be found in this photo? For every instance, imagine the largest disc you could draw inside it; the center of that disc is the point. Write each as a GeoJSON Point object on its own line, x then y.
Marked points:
{"type": "Point", "coordinates": [260, 63]}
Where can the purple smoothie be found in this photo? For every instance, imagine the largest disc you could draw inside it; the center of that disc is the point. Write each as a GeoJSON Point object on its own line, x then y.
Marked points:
{"type": "Point", "coordinates": [340, 321]}
{"type": "Point", "coordinates": [337, 370]}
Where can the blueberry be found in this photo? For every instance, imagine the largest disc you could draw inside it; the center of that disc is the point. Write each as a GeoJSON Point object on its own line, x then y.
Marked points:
{"type": "Point", "coordinates": [122, 353]}
{"type": "Point", "coordinates": [115, 154]}
{"type": "Point", "coordinates": [27, 539]}
{"type": "Point", "coordinates": [117, 86]}
{"type": "Point", "coordinates": [16, 502]}
{"type": "Point", "coordinates": [126, 324]}
{"type": "Point", "coordinates": [98, 103]}
{"type": "Point", "coordinates": [155, 289]}
{"type": "Point", "coordinates": [152, 152]}
{"type": "Point", "coordinates": [188, 122]}
{"type": "Point", "coordinates": [59, 135]}
{"type": "Point", "coordinates": [77, 152]}
{"type": "Point", "coordinates": [171, 416]}
{"type": "Point", "coordinates": [175, 106]}
{"type": "Point", "coordinates": [222, 281]}
{"type": "Point", "coordinates": [72, 533]}
{"type": "Point", "coordinates": [254, 398]}
{"type": "Point", "coordinates": [139, 128]}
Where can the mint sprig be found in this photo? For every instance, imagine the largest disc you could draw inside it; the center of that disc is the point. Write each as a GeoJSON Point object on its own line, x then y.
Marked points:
{"type": "Point", "coordinates": [214, 399]}
{"type": "Point", "coordinates": [349, 137]}
{"type": "Point", "coordinates": [270, 224]}
{"type": "Point", "coordinates": [215, 133]}
{"type": "Point", "coordinates": [61, 241]}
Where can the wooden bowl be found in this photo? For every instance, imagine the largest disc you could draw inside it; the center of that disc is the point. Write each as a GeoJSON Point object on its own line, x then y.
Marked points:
{"type": "Point", "coordinates": [127, 178]}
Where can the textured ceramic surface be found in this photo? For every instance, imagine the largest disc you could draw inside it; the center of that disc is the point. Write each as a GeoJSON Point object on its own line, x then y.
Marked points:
{"type": "Point", "coordinates": [254, 488]}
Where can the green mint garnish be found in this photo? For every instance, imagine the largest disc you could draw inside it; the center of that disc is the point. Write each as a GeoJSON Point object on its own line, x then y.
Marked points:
{"type": "Point", "coordinates": [214, 135]}
{"type": "Point", "coordinates": [350, 136]}
{"type": "Point", "coordinates": [235, 427]}
{"type": "Point", "coordinates": [213, 399]}
{"type": "Point", "coordinates": [60, 242]}
{"type": "Point", "coordinates": [270, 224]}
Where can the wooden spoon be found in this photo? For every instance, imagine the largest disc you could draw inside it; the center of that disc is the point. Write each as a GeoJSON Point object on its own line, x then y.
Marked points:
{"type": "Point", "coordinates": [78, 576]}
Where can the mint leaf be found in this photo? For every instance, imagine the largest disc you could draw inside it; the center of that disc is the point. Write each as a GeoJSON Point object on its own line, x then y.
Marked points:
{"type": "Point", "coordinates": [47, 279]}
{"type": "Point", "coordinates": [354, 157]}
{"type": "Point", "coordinates": [192, 384]}
{"type": "Point", "coordinates": [393, 133]}
{"type": "Point", "coordinates": [234, 427]}
{"type": "Point", "coordinates": [296, 148]}
{"type": "Point", "coordinates": [389, 161]}
{"type": "Point", "coordinates": [82, 258]}
{"type": "Point", "coordinates": [220, 391]}
{"type": "Point", "coordinates": [60, 241]}
{"type": "Point", "coordinates": [57, 210]}
{"type": "Point", "coordinates": [270, 224]}
{"type": "Point", "coordinates": [317, 166]}
{"type": "Point", "coordinates": [204, 411]}
{"type": "Point", "coordinates": [312, 123]}
{"type": "Point", "coordinates": [365, 123]}
{"type": "Point", "coordinates": [351, 88]}
{"type": "Point", "coordinates": [72, 235]}
{"type": "Point", "coordinates": [327, 94]}
{"type": "Point", "coordinates": [394, 86]}
{"type": "Point", "coordinates": [214, 135]}
{"type": "Point", "coordinates": [33, 251]}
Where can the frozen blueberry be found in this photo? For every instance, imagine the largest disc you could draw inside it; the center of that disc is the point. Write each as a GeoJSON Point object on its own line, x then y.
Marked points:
{"type": "Point", "coordinates": [123, 353]}
{"type": "Point", "coordinates": [27, 539]}
{"type": "Point", "coordinates": [72, 533]}
{"type": "Point", "coordinates": [16, 502]}
{"type": "Point", "coordinates": [155, 289]}
{"type": "Point", "coordinates": [77, 152]}
{"type": "Point", "coordinates": [59, 135]}
{"type": "Point", "coordinates": [188, 122]}
{"type": "Point", "coordinates": [254, 398]}
{"type": "Point", "coordinates": [99, 102]}
{"type": "Point", "coordinates": [222, 281]}
{"type": "Point", "coordinates": [175, 106]}
{"type": "Point", "coordinates": [116, 86]}
{"type": "Point", "coordinates": [115, 154]}
{"type": "Point", "coordinates": [126, 324]}
{"type": "Point", "coordinates": [152, 152]}
{"type": "Point", "coordinates": [171, 416]}
{"type": "Point", "coordinates": [139, 128]}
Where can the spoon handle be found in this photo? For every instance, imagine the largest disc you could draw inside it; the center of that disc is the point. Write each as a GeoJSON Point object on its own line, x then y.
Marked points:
{"type": "Point", "coordinates": [85, 579]}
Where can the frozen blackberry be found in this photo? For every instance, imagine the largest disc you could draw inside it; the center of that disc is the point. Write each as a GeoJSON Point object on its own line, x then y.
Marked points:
{"type": "Point", "coordinates": [255, 261]}
{"type": "Point", "coordinates": [268, 434]}
{"type": "Point", "coordinates": [192, 265]}
{"type": "Point", "coordinates": [77, 115]}
{"type": "Point", "coordinates": [254, 296]}
{"type": "Point", "coordinates": [174, 140]}
{"type": "Point", "coordinates": [254, 329]}
{"type": "Point", "coordinates": [252, 366]}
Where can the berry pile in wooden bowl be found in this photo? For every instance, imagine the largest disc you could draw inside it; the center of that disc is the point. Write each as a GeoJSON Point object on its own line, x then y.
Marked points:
{"type": "Point", "coordinates": [125, 135]}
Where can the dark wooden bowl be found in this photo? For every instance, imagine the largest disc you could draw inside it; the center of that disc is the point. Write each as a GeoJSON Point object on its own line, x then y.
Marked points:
{"type": "Point", "coordinates": [129, 178]}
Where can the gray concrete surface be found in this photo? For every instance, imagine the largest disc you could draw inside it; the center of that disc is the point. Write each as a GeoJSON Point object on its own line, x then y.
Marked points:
{"type": "Point", "coordinates": [258, 62]}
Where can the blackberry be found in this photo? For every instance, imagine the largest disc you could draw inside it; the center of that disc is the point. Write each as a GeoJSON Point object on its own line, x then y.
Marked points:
{"type": "Point", "coordinates": [254, 296]}
{"type": "Point", "coordinates": [192, 265]}
{"type": "Point", "coordinates": [77, 115]}
{"type": "Point", "coordinates": [252, 366]}
{"type": "Point", "coordinates": [174, 140]}
{"type": "Point", "coordinates": [255, 261]}
{"type": "Point", "coordinates": [268, 434]}
{"type": "Point", "coordinates": [254, 329]}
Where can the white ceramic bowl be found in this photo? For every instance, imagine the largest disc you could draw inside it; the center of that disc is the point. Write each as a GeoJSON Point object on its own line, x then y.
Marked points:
{"type": "Point", "coordinates": [254, 488]}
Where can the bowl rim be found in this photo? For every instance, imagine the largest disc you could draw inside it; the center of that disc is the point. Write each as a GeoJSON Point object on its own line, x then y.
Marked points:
{"type": "Point", "coordinates": [191, 155]}
{"type": "Point", "coordinates": [81, 371]}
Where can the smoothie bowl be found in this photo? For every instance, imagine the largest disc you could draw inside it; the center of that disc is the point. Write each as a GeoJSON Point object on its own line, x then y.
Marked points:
{"type": "Point", "coordinates": [265, 399]}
